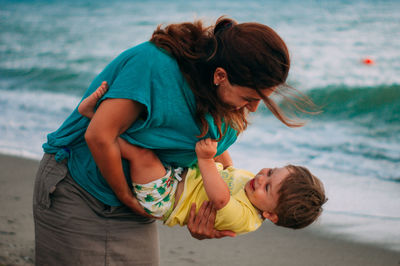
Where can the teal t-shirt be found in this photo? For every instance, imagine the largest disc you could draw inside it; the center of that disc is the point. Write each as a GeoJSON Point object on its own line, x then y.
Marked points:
{"type": "Point", "coordinates": [149, 75]}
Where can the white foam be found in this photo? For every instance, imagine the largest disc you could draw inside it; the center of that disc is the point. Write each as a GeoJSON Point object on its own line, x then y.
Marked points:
{"type": "Point", "coordinates": [28, 117]}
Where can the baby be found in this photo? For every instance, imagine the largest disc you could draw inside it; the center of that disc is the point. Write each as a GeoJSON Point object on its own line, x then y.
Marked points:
{"type": "Point", "coordinates": [289, 196]}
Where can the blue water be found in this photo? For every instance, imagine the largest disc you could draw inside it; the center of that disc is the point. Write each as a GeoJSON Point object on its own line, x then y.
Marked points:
{"type": "Point", "coordinates": [51, 50]}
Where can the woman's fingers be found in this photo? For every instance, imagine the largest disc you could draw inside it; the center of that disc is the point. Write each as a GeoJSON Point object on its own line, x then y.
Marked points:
{"type": "Point", "coordinates": [210, 231]}
{"type": "Point", "coordinates": [138, 208]}
{"type": "Point", "coordinates": [192, 215]}
{"type": "Point", "coordinates": [201, 226]}
{"type": "Point", "coordinates": [194, 220]}
{"type": "Point", "coordinates": [224, 233]}
{"type": "Point", "coordinates": [202, 219]}
{"type": "Point", "coordinates": [209, 220]}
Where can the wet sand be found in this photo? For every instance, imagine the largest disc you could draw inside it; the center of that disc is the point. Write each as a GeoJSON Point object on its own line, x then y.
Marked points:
{"type": "Point", "coordinates": [269, 245]}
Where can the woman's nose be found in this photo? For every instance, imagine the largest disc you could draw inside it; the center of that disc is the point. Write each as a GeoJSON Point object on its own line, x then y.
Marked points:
{"type": "Point", "coordinates": [252, 106]}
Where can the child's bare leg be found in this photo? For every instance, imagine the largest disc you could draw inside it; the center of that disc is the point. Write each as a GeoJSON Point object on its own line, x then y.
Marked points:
{"type": "Point", "coordinates": [86, 107]}
{"type": "Point", "coordinates": [144, 163]}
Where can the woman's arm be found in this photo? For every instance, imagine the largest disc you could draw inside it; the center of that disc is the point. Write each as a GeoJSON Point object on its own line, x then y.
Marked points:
{"type": "Point", "coordinates": [225, 159]}
{"type": "Point", "coordinates": [216, 188]}
{"type": "Point", "coordinates": [111, 119]}
{"type": "Point", "coordinates": [201, 225]}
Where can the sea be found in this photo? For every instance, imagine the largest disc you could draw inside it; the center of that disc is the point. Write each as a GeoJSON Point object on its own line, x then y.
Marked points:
{"type": "Point", "coordinates": [345, 56]}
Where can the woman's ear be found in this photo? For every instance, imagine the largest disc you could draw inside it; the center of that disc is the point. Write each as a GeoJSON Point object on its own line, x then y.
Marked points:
{"type": "Point", "coordinates": [273, 217]}
{"type": "Point", "coordinates": [220, 76]}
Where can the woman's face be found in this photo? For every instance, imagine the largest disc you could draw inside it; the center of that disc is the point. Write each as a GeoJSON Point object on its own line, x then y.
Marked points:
{"type": "Point", "coordinates": [237, 96]}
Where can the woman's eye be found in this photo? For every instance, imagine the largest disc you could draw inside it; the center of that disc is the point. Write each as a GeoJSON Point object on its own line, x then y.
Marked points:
{"type": "Point", "coordinates": [266, 187]}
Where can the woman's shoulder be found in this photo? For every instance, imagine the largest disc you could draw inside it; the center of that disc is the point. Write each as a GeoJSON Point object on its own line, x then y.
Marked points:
{"type": "Point", "coordinates": [143, 59]}
{"type": "Point", "coordinates": [150, 52]}
{"type": "Point", "coordinates": [152, 58]}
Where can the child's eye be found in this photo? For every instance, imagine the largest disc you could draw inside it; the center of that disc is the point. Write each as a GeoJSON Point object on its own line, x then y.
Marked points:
{"type": "Point", "coordinates": [269, 172]}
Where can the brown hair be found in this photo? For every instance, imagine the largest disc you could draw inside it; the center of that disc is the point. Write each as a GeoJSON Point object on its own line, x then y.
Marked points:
{"type": "Point", "coordinates": [301, 197]}
{"type": "Point", "coordinates": [252, 54]}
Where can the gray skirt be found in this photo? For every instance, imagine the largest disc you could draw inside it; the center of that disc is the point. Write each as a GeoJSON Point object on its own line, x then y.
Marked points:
{"type": "Point", "coordinates": [74, 228]}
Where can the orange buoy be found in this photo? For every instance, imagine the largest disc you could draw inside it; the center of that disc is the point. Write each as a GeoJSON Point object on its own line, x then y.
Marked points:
{"type": "Point", "coordinates": [368, 61]}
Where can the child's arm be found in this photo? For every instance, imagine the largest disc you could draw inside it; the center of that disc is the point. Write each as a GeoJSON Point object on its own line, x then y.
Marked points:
{"type": "Point", "coordinates": [216, 188]}
{"type": "Point", "coordinates": [225, 159]}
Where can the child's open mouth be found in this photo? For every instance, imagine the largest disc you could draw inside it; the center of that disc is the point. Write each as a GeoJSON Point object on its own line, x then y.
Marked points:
{"type": "Point", "coordinates": [252, 183]}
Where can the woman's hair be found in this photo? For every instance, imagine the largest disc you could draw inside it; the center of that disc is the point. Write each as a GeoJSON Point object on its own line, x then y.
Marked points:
{"type": "Point", "coordinates": [301, 197]}
{"type": "Point", "coordinates": [253, 56]}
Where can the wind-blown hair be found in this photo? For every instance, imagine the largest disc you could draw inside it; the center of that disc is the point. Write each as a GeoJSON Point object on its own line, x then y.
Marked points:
{"type": "Point", "coordinates": [252, 54]}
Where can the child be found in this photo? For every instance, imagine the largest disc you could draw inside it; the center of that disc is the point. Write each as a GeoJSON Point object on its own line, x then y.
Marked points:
{"type": "Point", "coordinates": [289, 196]}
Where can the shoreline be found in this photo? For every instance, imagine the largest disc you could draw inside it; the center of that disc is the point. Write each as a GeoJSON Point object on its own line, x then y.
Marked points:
{"type": "Point", "coordinates": [269, 245]}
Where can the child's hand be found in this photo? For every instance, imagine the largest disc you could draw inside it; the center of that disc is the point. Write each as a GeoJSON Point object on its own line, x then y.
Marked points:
{"type": "Point", "coordinates": [206, 149]}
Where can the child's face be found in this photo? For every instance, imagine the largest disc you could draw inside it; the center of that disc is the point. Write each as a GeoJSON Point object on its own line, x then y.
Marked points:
{"type": "Point", "coordinates": [262, 190]}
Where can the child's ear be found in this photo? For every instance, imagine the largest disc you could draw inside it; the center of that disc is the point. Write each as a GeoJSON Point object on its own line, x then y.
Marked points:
{"type": "Point", "coordinates": [273, 217]}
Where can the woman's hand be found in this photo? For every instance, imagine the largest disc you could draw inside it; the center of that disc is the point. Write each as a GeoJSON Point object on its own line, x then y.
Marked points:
{"type": "Point", "coordinates": [201, 226]}
{"type": "Point", "coordinates": [136, 207]}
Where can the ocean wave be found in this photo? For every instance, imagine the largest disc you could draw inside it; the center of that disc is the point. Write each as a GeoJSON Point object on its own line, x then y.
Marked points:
{"type": "Point", "coordinates": [62, 80]}
{"type": "Point", "coordinates": [379, 103]}
{"type": "Point", "coordinates": [375, 108]}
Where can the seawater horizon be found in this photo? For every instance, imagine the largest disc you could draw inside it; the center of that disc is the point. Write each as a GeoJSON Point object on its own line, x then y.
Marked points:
{"type": "Point", "coordinates": [51, 50]}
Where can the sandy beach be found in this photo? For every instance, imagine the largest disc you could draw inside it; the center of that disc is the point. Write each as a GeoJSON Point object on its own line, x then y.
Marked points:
{"type": "Point", "coordinates": [270, 245]}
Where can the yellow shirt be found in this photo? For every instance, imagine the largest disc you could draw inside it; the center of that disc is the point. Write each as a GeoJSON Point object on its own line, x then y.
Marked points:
{"type": "Point", "coordinates": [239, 215]}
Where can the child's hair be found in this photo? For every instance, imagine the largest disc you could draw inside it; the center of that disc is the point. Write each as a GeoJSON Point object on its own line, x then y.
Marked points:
{"type": "Point", "coordinates": [301, 197]}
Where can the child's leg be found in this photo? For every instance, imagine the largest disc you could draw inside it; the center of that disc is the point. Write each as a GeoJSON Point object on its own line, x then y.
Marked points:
{"type": "Point", "coordinates": [144, 163]}
{"type": "Point", "coordinates": [86, 107]}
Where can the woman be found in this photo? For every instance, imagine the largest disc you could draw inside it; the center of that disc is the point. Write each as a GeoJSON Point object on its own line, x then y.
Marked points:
{"type": "Point", "coordinates": [188, 82]}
